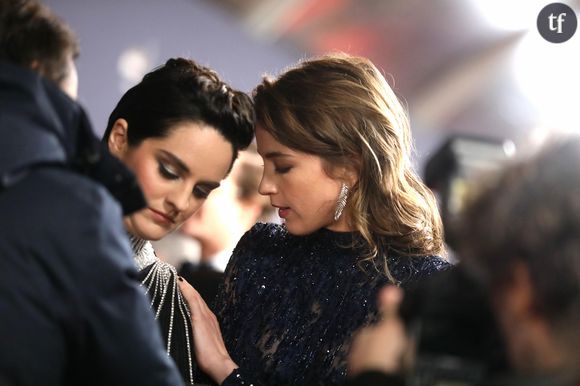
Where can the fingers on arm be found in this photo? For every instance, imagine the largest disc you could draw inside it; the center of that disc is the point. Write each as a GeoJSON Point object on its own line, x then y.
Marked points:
{"type": "Point", "coordinates": [390, 298]}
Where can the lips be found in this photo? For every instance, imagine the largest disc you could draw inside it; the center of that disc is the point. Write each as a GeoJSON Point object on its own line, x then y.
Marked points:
{"type": "Point", "coordinates": [283, 211]}
{"type": "Point", "coordinates": [162, 217]}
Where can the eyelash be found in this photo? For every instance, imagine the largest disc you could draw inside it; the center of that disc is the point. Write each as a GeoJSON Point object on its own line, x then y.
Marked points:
{"type": "Point", "coordinates": [283, 170]}
{"type": "Point", "coordinates": [167, 172]}
{"type": "Point", "coordinates": [200, 192]}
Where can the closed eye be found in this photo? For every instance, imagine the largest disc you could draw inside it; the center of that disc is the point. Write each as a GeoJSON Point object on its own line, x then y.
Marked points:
{"type": "Point", "coordinates": [167, 171]}
{"type": "Point", "coordinates": [202, 191]}
{"type": "Point", "coordinates": [282, 170]}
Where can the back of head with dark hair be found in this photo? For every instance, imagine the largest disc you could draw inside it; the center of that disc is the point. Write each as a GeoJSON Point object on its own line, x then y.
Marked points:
{"type": "Point", "coordinates": [32, 36]}
{"type": "Point", "coordinates": [184, 91]}
{"type": "Point", "coordinates": [531, 215]}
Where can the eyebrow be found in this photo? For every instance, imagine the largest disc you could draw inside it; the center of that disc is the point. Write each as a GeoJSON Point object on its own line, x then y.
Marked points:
{"type": "Point", "coordinates": [276, 154]}
{"type": "Point", "coordinates": [179, 163]}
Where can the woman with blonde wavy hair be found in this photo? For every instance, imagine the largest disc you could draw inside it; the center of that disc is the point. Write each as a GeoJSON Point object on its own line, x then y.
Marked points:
{"type": "Point", "coordinates": [336, 146]}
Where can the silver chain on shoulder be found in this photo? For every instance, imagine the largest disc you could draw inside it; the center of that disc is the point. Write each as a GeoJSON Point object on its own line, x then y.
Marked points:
{"type": "Point", "coordinates": [158, 283]}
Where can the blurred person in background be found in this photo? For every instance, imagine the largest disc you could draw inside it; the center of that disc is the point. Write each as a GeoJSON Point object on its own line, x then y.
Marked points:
{"type": "Point", "coordinates": [71, 309]}
{"type": "Point", "coordinates": [221, 222]}
{"type": "Point", "coordinates": [179, 130]}
{"type": "Point", "coordinates": [519, 239]}
{"type": "Point", "coordinates": [336, 146]}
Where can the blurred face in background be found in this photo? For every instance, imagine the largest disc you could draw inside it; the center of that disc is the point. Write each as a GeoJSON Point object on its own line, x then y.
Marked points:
{"type": "Point", "coordinates": [70, 84]}
{"type": "Point", "coordinates": [227, 214]}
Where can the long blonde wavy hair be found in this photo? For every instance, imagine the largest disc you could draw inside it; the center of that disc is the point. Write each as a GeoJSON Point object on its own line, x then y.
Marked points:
{"type": "Point", "coordinates": [340, 108]}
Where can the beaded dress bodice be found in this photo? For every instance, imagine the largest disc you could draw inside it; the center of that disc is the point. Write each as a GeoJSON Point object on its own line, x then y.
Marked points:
{"type": "Point", "coordinates": [160, 282]}
{"type": "Point", "coordinates": [291, 304]}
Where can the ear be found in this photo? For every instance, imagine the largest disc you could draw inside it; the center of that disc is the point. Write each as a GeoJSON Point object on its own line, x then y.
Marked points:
{"type": "Point", "coordinates": [351, 176]}
{"type": "Point", "coordinates": [35, 65]}
{"type": "Point", "coordinates": [521, 296]}
{"type": "Point", "coordinates": [117, 142]}
{"type": "Point", "coordinates": [347, 174]}
{"type": "Point", "coordinates": [517, 295]}
{"type": "Point", "coordinates": [529, 339]}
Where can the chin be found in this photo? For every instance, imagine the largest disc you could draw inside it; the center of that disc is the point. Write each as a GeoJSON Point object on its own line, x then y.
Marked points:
{"type": "Point", "coordinates": [151, 236]}
{"type": "Point", "coordinates": [297, 230]}
{"type": "Point", "coordinates": [149, 231]}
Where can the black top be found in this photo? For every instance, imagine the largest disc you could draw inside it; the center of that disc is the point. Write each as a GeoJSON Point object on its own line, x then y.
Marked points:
{"type": "Point", "coordinates": [205, 279]}
{"type": "Point", "coordinates": [375, 378]}
{"type": "Point", "coordinates": [291, 304]}
{"type": "Point", "coordinates": [174, 321]}
{"type": "Point", "coordinates": [159, 279]}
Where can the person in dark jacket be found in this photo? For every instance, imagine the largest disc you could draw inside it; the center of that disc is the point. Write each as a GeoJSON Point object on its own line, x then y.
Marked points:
{"type": "Point", "coordinates": [71, 309]}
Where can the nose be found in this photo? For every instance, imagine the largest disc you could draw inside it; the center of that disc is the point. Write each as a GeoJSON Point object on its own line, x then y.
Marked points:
{"type": "Point", "coordinates": [180, 198]}
{"type": "Point", "coordinates": [267, 186]}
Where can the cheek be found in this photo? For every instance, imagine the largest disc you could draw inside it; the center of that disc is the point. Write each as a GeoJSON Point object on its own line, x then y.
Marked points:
{"type": "Point", "coordinates": [151, 183]}
{"type": "Point", "coordinates": [313, 195]}
{"type": "Point", "coordinates": [192, 209]}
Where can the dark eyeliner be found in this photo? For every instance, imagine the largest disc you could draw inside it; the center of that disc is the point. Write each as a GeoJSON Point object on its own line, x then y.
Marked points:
{"type": "Point", "coordinates": [282, 170]}
{"type": "Point", "coordinates": [199, 192]}
{"type": "Point", "coordinates": [166, 172]}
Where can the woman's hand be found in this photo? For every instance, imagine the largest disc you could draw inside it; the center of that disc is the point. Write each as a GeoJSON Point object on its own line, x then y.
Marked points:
{"type": "Point", "coordinates": [383, 346]}
{"type": "Point", "coordinates": [210, 350]}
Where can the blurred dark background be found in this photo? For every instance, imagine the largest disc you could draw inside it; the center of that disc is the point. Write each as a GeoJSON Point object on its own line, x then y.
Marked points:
{"type": "Point", "coordinates": [477, 67]}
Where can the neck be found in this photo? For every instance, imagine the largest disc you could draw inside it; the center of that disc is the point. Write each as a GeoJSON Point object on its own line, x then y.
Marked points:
{"type": "Point", "coordinates": [137, 244]}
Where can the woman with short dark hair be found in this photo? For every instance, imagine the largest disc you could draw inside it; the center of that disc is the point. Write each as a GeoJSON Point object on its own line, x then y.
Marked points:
{"type": "Point", "coordinates": [179, 130]}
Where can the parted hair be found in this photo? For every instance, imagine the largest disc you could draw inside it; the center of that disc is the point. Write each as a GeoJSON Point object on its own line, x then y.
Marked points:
{"type": "Point", "coordinates": [184, 91]}
{"type": "Point", "coordinates": [30, 34]}
{"type": "Point", "coordinates": [340, 108]}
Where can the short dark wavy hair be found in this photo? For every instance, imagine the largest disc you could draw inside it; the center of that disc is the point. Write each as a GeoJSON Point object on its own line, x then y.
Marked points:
{"type": "Point", "coordinates": [31, 33]}
{"type": "Point", "coordinates": [184, 91]}
{"type": "Point", "coordinates": [531, 214]}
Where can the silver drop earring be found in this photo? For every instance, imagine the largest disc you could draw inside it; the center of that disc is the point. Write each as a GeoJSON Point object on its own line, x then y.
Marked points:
{"type": "Point", "coordinates": [341, 202]}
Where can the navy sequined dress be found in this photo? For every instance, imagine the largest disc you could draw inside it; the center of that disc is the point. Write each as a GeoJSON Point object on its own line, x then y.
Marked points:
{"type": "Point", "coordinates": [291, 304]}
